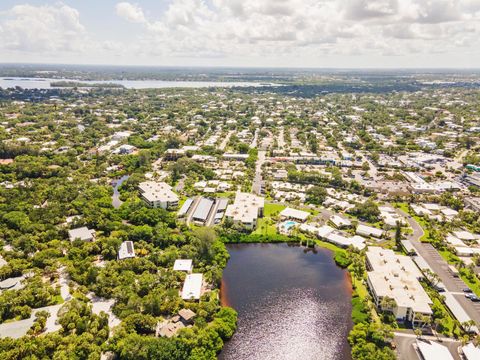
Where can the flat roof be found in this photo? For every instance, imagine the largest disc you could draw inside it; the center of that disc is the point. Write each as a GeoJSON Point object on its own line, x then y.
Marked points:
{"type": "Point", "coordinates": [82, 233]}
{"type": "Point", "coordinates": [192, 287]}
{"type": "Point", "coordinates": [183, 265]}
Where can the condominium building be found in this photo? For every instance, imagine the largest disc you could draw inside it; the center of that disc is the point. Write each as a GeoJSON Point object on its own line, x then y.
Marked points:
{"type": "Point", "coordinates": [158, 194]}
{"type": "Point", "coordinates": [397, 277]}
{"type": "Point", "coordinates": [246, 209]}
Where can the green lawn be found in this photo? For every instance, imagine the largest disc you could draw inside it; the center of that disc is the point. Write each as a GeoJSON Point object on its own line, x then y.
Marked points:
{"type": "Point", "coordinates": [264, 228]}
{"type": "Point", "coordinates": [448, 256]}
{"type": "Point", "coordinates": [328, 246]}
{"type": "Point", "coordinates": [421, 221]}
{"type": "Point", "coordinates": [471, 280]}
{"type": "Point", "coordinates": [272, 209]}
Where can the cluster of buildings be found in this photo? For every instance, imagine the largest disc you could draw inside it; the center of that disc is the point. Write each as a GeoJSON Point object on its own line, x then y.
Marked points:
{"type": "Point", "coordinates": [396, 277]}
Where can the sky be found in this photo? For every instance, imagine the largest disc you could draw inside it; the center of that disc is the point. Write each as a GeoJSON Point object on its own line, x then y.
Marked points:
{"type": "Point", "coordinates": [243, 33]}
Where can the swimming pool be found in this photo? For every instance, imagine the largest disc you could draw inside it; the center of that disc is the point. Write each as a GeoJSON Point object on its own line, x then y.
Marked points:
{"type": "Point", "coordinates": [287, 225]}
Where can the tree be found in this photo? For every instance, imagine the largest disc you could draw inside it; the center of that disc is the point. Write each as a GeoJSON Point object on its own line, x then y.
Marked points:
{"type": "Point", "coordinates": [316, 195]}
{"type": "Point", "coordinates": [398, 235]}
{"type": "Point", "coordinates": [432, 277]}
{"type": "Point", "coordinates": [387, 304]}
{"type": "Point", "coordinates": [367, 211]}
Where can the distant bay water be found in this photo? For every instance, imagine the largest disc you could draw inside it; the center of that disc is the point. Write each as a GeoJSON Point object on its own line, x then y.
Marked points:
{"type": "Point", "coordinates": [45, 83]}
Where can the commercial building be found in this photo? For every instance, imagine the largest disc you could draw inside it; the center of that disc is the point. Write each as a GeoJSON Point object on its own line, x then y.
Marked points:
{"type": "Point", "coordinates": [246, 209]}
{"type": "Point", "coordinates": [397, 277]}
{"type": "Point", "coordinates": [158, 194]}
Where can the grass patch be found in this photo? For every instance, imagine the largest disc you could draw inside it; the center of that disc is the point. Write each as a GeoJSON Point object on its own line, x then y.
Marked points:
{"type": "Point", "coordinates": [448, 256]}
{"type": "Point", "coordinates": [272, 209]}
{"type": "Point", "coordinates": [471, 280]}
{"type": "Point", "coordinates": [327, 245]}
{"type": "Point", "coordinates": [359, 312]}
{"type": "Point", "coordinates": [421, 221]}
{"type": "Point", "coordinates": [265, 228]}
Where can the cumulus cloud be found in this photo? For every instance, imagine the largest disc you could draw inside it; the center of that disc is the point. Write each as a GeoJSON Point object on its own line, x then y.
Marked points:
{"type": "Point", "coordinates": [295, 30]}
{"type": "Point", "coordinates": [305, 27]}
{"type": "Point", "coordinates": [130, 12]}
{"type": "Point", "coordinates": [42, 28]}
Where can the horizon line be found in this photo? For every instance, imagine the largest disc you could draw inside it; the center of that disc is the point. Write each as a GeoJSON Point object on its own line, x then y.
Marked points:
{"type": "Point", "coordinates": [237, 67]}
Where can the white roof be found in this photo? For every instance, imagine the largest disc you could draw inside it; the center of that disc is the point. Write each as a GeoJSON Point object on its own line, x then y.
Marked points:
{"type": "Point", "coordinates": [369, 231]}
{"type": "Point", "coordinates": [325, 230]}
{"type": "Point", "coordinates": [471, 352]}
{"type": "Point", "coordinates": [192, 287]}
{"type": "Point", "coordinates": [183, 265]}
{"type": "Point", "coordinates": [457, 310]}
{"type": "Point", "coordinates": [433, 351]}
{"type": "Point", "coordinates": [126, 250]}
{"type": "Point", "coordinates": [464, 235]}
{"type": "Point", "coordinates": [82, 233]}
{"type": "Point", "coordinates": [339, 221]}
{"type": "Point", "coordinates": [157, 191]}
{"type": "Point", "coordinates": [453, 240]}
{"type": "Point", "coordinates": [396, 276]}
{"type": "Point", "coordinates": [245, 207]}
{"type": "Point", "coordinates": [294, 214]}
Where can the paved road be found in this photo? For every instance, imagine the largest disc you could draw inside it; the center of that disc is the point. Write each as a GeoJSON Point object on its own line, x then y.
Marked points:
{"type": "Point", "coordinates": [257, 180]}
{"type": "Point", "coordinates": [255, 140]}
{"type": "Point", "coordinates": [224, 143]}
{"type": "Point", "coordinates": [281, 138]}
{"type": "Point", "coordinates": [440, 267]}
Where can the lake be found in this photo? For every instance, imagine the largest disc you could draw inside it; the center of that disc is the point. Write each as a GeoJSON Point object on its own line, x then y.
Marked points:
{"type": "Point", "coordinates": [292, 303]}
{"type": "Point", "coordinates": [116, 202]}
{"type": "Point", "coordinates": [38, 83]}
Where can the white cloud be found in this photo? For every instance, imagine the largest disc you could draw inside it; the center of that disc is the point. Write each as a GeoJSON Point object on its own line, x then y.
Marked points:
{"type": "Point", "coordinates": [249, 32]}
{"type": "Point", "coordinates": [130, 12]}
{"type": "Point", "coordinates": [42, 29]}
{"type": "Point", "coordinates": [282, 28]}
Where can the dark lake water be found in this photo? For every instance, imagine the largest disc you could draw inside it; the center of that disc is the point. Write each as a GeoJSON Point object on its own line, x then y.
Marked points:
{"type": "Point", "coordinates": [116, 202]}
{"type": "Point", "coordinates": [291, 304]}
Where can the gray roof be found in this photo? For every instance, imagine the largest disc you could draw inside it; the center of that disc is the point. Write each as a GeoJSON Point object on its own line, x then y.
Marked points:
{"type": "Point", "coordinates": [185, 207]}
{"type": "Point", "coordinates": [222, 204]}
{"type": "Point", "coordinates": [203, 209]}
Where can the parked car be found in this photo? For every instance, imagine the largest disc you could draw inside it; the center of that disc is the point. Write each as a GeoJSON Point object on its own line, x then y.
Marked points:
{"type": "Point", "coordinates": [467, 290]}
{"type": "Point", "coordinates": [475, 298]}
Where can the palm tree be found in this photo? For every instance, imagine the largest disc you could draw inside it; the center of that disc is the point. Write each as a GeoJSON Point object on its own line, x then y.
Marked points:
{"type": "Point", "coordinates": [387, 304]}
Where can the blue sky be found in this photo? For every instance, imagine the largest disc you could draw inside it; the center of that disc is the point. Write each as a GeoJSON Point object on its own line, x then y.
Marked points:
{"type": "Point", "coordinates": [292, 33]}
